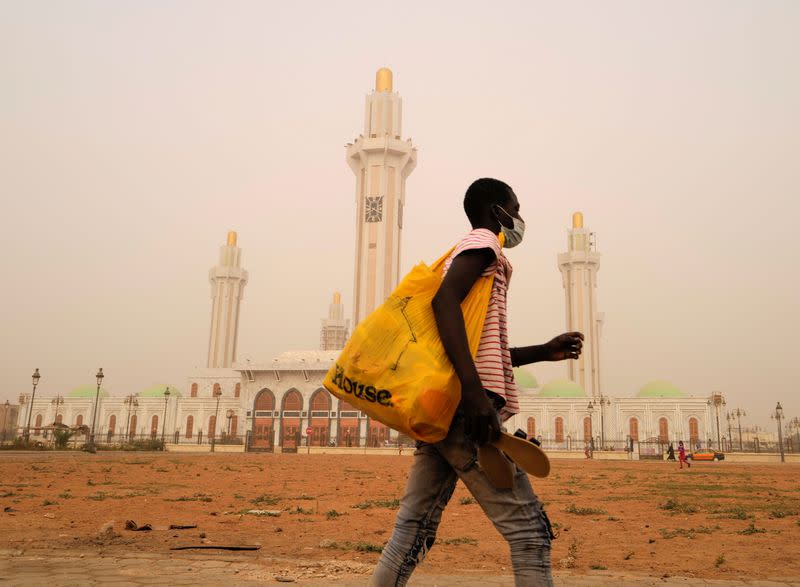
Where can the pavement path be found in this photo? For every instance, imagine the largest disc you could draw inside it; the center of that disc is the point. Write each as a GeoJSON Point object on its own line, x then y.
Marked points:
{"type": "Point", "coordinates": [66, 568]}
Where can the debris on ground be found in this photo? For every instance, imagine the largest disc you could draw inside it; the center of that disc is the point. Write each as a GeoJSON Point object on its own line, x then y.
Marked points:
{"type": "Point", "coordinates": [133, 527]}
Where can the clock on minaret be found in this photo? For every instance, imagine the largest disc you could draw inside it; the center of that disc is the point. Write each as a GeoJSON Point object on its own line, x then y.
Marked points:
{"type": "Point", "coordinates": [374, 209]}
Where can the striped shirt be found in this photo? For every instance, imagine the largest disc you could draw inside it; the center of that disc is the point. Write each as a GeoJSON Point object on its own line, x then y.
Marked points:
{"type": "Point", "coordinates": [493, 360]}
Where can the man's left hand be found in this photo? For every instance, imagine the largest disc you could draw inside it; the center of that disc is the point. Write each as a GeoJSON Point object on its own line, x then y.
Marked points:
{"type": "Point", "coordinates": [564, 346]}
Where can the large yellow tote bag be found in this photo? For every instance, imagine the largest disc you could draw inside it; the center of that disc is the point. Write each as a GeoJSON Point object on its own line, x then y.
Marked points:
{"type": "Point", "coordinates": [394, 366]}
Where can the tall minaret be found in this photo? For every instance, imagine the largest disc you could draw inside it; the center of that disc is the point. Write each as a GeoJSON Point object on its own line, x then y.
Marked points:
{"type": "Point", "coordinates": [227, 289]}
{"type": "Point", "coordinates": [381, 161]}
{"type": "Point", "coordinates": [335, 329]}
{"type": "Point", "coordinates": [579, 266]}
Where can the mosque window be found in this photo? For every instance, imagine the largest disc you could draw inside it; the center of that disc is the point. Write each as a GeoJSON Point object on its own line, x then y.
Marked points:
{"type": "Point", "coordinates": [132, 431]}
{"type": "Point", "coordinates": [694, 432]}
{"type": "Point", "coordinates": [559, 429]}
{"type": "Point", "coordinates": [321, 402]}
{"type": "Point", "coordinates": [237, 390]}
{"type": "Point", "coordinates": [189, 426]}
{"type": "Point", "coordinates": [79, 420]}
{"type": "Point", "coordinates": [154, 426]}
{"type": "Point", "coordinates": [531, 427]}
{"type": "Point", "coordinates": [663, 430]}
{"type": "Point", "coordinates": [112, 424]}
{"type": "Point", "coordinates": [234, 425]}
{"type": "Point", "coordinates": [212, 427]}
{"type": "Point", "coordinates": [292, 401]}
{"type": "Point", "coordinates": [374, 209]}
{"type": "Point", "coordinates": [587, 428]}
{"type": "Point", "coordinates": [194, 390]}
{"type": "Point", "coordinates": [633, 429]}
{"type": "Point", "coordinates": [217, 390]}
{"type": "Point", "coordinates": [265, 402]}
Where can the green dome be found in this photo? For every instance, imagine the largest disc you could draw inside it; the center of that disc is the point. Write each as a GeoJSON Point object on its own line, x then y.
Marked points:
{"type": "Point", "coordinates": [158, 391]}
{"type": "Point", "coordinates": [562, 388]}
{"type": "Point", "coordinates": [88, 391]}
{"type": "Point", "coordinates": [660, 389]}
{"type": "Point", "coordinates": [525, 379]}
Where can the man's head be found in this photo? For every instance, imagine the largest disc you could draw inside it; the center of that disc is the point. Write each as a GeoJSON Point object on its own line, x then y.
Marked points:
{"type": "Point", "coordinates": [489, 203]}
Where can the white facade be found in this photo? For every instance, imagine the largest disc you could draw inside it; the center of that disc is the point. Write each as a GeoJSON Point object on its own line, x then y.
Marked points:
{"type": "Point", "coordinates": [381, 162]}
{"type": "Point", "coordinates": [579, 266]}
{"type": "Point", "coordinates": [227, 280]}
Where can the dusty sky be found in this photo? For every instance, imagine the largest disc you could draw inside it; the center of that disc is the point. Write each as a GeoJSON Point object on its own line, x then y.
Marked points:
{"type": "Point", "coordinates": [134, 135]}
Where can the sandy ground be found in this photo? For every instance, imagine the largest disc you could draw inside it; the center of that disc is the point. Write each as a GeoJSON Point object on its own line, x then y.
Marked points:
{"type": "Point", "coordinates": [716, 520]}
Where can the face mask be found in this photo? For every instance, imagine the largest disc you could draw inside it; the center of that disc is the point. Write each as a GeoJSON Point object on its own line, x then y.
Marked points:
{"type": "Point", "coordinates": [513, 235]}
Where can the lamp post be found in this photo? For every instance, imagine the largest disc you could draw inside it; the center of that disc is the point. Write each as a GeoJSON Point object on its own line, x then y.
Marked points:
{"type": "Point", "coordinates": [717, 400]}
{"type": "Point", "coordinates": [590, 409]}
{"type": "Point", "coordinates": [35, 378]}
{"type": "Point", "coordinates": [730, 418]}
{"type": "Point", "coordinates": [164, 423]}
{"type": "Point", "coordinates": [778, 416]}
{"type": "Point", "coordinates": [217, 393]}
{"type": "Point", "coordinates": [99, 377]}
{"type": "Point", "coordinates": [739, 413]}
{"type": "Point", "coordinates": [229, 414]}
{"type": "Point", "coordinates": [130, 401]}
{"type": "Point", "coordinates": [602, 401]}
{"type": "Point", "coordinates": [7, 407]}
{"type": "Point", "coordinates": [57, 401]}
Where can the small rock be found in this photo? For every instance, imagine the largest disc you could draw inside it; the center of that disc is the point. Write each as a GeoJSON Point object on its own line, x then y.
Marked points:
{"type": "Point", "coordinates": [202, 534]}
{"type": "Point", "coordinates": [284, 579]}
{"type": "Point", "coordinates": [50, 516]}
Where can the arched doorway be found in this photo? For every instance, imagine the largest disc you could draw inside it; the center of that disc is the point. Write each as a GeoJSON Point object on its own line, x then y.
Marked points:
{"type": "Point", "coordinates": [531, 425]}
{"type": "Point", "coordinates": [694, 432]}
{"type": "Point", "coordinates": [587, 429]}
{"type": "Point", "coordinates": [189, 426]}
{"type": "Point", "coordinates": [633, 429]}
{"type": "Point", "coordinates": [263, 421]}
{"type": "Point", "coordinates": [377, 433]}
{"type": "Point", "coordinates": [154, 426]}
{"type": "Point", "coordinates": [112, 426]}
{"type": "Point", "coordinates": [348, 425]}
{"type": "Point", "coordinates": [663, 430]}
{"type": "Point", "coordinates": [132, 430]}
{"type": "Point", "coordinates": [291, 408]}
{"type": "Point", "coordinates": [559, 429]}
{"type": "Point", "coordinates": [320, 420]}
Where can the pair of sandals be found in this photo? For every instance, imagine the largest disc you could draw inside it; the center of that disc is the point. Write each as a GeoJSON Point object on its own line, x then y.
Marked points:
{"type": "Point", "coordinates": [494, 459]}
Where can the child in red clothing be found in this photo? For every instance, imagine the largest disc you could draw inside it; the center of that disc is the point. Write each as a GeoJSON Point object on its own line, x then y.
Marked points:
{"type": "Point", "coordinates": [682, 455]}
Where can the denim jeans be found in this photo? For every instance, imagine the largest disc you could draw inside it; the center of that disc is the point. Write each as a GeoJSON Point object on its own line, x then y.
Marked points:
{"type": "Point", "coordinates": [516, 513]}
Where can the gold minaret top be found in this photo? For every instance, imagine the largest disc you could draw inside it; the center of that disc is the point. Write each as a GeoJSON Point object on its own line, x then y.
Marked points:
{"type": "Point", "coordinates": [232, 238]}
{"type": "Point", "coordinates": [577, 220]}
{"type": "Point", "coordinates": [337, 298]}
{"type": "Point", "coordinates": [383, 80]}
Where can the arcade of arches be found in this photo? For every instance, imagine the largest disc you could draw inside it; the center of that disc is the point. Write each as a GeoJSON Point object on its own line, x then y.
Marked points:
{"type": "Point", "coordinates": [324, 420]}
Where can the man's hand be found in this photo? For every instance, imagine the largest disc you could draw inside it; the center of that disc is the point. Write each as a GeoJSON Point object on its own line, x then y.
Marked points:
{"type": "Point", "coordinates": [564, 346]}
{"type": "Point", "coordinates": [480, 420]}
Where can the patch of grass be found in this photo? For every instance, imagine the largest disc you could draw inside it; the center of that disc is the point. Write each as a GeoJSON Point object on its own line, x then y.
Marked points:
{"type": "Point", "coordinates": [299, 510]}
{"type": "Point", "coordinates": [578, 511]}
{"type": "Point", "coordinates": [161, 470]}
{"type": "Point", "coordinates": [686, 532]}
{"type": "Point", "coordinates": [359, 546]}
{"type": "Point", "coordinates": [677, 507]}
{"type": "Point", "coordinates": [137, 462]}
{"type": "Point", "coordinates": [47, 502]}
{"type": "Point", "coordinates": [733, 513]}
{"type": "Point", "coordinates": [304, 497]}
{"type": "Point", "coordinates": [65, 495]}
{"type": "Point", "coordinates": [195, 497]}
{"type": "Point", "coordinates": [391, 504]}
{"type": "Point", "coordinates": [720, 560]}
{"type": "Point", "coordinates": [6, 493]}
{"type": "Point", "coordinates": [460, 540]}
{"type": "Point", "coordinates": [751, 529]}
{"type": "Point", "coordinates": [568, 491]}
{"type": "Point", "coordinates": [612, 519]}
{"type": "Point", "coordinates": [468, 501]}
{"type": "Point", "coordinates": [332, 514]}
{"type": "Point", "coordinates": [598, 567]}
{"type": "Point", "coordinates": [229, 468]}
{"type": "Point", "coordinates": [238, 496]}
{"type": "Point", "coordinates": [99, 496]}
{"type": "Point", "coordinates": [265, 499]}
{"type": "Point", "coordinates": [105, 469]}
{"type": "Point", "coordinates": [782, 513]}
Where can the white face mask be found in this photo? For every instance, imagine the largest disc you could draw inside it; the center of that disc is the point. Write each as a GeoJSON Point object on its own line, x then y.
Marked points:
{"type": "Point", "coordinates": [513, 235]}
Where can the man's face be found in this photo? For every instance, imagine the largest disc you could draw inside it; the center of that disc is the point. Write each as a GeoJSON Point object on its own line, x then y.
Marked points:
{"type": "Point", "coordinates": [511, 209]}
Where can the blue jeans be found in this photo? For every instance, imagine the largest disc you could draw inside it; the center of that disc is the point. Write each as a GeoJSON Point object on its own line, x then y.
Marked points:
{"type": "Point", "coordinates": [516, 513]}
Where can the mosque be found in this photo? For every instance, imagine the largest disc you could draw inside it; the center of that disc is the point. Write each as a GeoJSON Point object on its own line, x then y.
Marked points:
{"type": "Point", "coordinates": [280, 404]}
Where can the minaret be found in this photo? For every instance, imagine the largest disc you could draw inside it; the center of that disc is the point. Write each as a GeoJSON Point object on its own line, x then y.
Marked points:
{"type": "Point", "coordinates": [381, 162]}
{"type": "Point", "coordinates": [227, 289]}
{"type": "Point", "coordinates": [335, 329]}
{"type": "Point", "coordinates": [579, 266]}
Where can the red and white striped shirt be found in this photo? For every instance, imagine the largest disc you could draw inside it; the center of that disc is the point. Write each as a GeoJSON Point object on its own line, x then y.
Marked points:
{"type": "Point", "coordinates": [493, 360]}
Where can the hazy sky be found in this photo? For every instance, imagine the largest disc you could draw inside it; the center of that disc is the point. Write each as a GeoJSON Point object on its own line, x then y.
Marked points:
{"type": "Point", "coordinates": [134, 135]}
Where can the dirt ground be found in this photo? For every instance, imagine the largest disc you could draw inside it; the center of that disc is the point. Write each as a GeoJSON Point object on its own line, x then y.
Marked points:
{"type": "Point", "coordinates": [718, 520]}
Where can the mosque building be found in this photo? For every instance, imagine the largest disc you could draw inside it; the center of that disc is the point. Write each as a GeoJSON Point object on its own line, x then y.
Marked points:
{"type": "Point", "coordinates": [280, 404]}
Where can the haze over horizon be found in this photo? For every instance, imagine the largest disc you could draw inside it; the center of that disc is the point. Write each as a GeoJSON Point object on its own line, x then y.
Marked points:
{"type": "Point", "coordinates": [133, 136]}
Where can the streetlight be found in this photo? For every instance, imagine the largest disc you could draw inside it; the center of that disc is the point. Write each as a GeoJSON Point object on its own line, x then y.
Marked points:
{"type": "Point", "coordinates": [717, 400]}
{"type": "Point", "coordinates": [730, 418]}
{"type": "Point", "coordinates": [590, 409]}
{"type": "Point", "coordinates": [777, 416]}
{"type": "Point", "coordinates": [229, 414]}
{"type": "Point", "coordinates": [7, 407]}
{"type": "Point", "coordinates": [602, 401]}
{"type": "Point", "coordinates": [217, 393]}
{"type": "Point", "coordinates": [739, 413]}
{"type": "Point", "coordinates": [35, 378]}
{"type": "Point", "coordinates": [132, 402]}
{"type": "Point", "coordinates": [164, 423]}
{"type": "Point", "coordinates": [99, 376]}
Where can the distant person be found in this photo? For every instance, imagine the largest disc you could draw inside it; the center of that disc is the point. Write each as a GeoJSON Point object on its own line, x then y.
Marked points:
{"type": "Point", "coordinates": [671, 453]}
{"type": "Point", "coordinates": [587, 450]}
{"type": "Point", "coordinates": [682, 455]}
{"type": "Point", "coordinates": [488, 395]}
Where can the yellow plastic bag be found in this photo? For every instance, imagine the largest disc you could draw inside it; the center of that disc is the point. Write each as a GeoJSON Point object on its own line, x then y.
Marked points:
{"type": "Point", "coordinates": [394, 367]}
